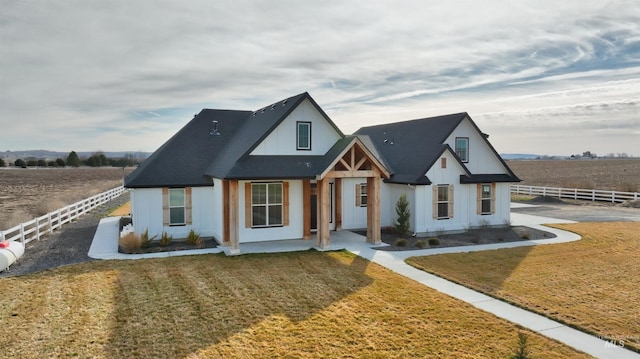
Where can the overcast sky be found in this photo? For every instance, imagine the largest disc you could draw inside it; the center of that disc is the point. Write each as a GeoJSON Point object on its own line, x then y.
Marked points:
{"type": "Point", "coordinates": [544, 77]}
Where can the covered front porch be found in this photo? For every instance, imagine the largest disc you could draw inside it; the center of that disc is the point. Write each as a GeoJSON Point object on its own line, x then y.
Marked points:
{"type": "Point", "coordinates": [320, 208]}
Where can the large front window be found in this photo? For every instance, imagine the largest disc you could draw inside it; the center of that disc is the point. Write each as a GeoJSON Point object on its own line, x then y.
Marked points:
{"type": "Point", "coordinates": [176, 207]}
{"type": "Point", "coordinates": [266, 204]}
{"type": "Point", "coordinates": [462, 148]}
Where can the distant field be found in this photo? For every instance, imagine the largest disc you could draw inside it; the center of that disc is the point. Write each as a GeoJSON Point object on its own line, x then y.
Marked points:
{"type": "Point", "coordinates": [31, 192]}
{"type": "Point", "coordinates": [614, 174]}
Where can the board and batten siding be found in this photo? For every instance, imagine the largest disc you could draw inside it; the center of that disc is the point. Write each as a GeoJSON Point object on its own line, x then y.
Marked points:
{"type": "Point", "coordinates": [147, 213]}
{"type": "Point", "coordinates": [282, 140]}
{"type": "Point", "coordinates": [481, 157]}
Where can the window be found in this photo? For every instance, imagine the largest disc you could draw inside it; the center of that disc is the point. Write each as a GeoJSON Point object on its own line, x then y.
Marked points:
{"type": "Point", "coordinates": [266, 204]}
{"type": "Point", "coordinates": [442, 201]}
{"type": "Point", "coordinates": [486, 198]}
{"type": "Point", "coordinates": [462, 148]}
{"type": "Point", "coordinates": [443, 162]}
{"type": "Point", "coordinates": [177, 211]}
{"type": "Point", "coordinates": [361, 195]}
{"type": "Point", "coordinates": [303, 135]}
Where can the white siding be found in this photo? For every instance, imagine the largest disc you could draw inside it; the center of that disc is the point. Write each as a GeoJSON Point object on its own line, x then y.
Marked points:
{"type": "Point", "coordinates": [146, 212]}
{"type": "Point", "coordinates": [441, 176]}
{"type": "Point", "coordinates": [292, 231]}
{"type": "Point", "coordinates": [282, 141]}
{"type": "Point", "coordinates": [353, 217]}
{"type": "Point", "coordinates": [481, 157]}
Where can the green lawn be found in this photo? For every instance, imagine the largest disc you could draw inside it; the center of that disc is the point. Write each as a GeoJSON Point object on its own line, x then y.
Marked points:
{"type": "Point", "coordinates": [592, 284]}
{"type": "Point", "coordinates": [307, 304]}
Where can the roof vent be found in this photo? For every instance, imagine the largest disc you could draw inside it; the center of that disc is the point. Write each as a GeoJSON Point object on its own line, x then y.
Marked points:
{"type": "Point", "coordinates": [284, 102]}
{"type": "Point", "coordinates": [272, 106]}
{"type": "Point", "coordinates": [215, 128]}
{"type": "Point", "coordinates": [253, 113]}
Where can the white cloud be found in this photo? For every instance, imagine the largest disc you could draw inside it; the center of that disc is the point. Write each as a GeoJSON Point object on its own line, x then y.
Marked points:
{"type": "Point", "coordinates": [126, 75]}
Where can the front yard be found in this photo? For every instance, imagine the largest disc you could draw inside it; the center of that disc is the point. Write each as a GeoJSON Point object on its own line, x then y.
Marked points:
{"type": "Point", "coordinates": [592, 284]}
{"type": "Point", "coordinates": [306, 304]}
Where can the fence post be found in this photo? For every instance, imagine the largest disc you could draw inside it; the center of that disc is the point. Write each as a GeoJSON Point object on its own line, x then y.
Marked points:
{"type": "Point", "coordinates": [49, 222]}
{"type": "Point", "coordinates": [22, 233]}
{"type": "Point", "coordinates": [593, 195]}
{"type": "Point", "coordinates": [37, 228]}
{"type": "Point", "coordinates": [613, 196]}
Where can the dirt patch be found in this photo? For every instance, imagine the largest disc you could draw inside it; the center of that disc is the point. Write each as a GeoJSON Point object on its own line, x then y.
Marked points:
{"type": "Point", "coordinates": [31, 192]}
{"type": "Point", "coordinates": [631, 204]}
{"type": "Point", "coordinates": [469, 238]}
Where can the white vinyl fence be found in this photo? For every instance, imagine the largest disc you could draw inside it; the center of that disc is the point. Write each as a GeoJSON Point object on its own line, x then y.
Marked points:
{"type": "Point", "coordinates": [576, 193]}
{"type": "Point", "coordinates": [43, 225]}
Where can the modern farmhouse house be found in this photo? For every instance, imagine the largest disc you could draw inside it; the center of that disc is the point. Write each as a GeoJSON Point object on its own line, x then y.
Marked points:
{"type": "Point", "coordinates": [286, 171]}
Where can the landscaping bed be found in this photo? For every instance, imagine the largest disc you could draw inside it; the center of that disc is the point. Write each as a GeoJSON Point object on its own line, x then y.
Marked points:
{"type": "Point", "coordinates": [468, 238]}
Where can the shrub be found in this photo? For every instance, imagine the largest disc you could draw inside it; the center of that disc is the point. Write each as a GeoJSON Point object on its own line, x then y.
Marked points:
{"type": "Point", "coordinates": [193, 237]}
{"type": "Point", "coordinates": [60, 162]}
{"type": "Point", "coordinates": [145, 241]}
{"type": "Point", "coordinates": [433, 241]}
{"type": "Point", "coordinates": [403, 216]}
{"type": "Point", "coordinates": [421, 244]}
{"type": "Point", "coordinates": [525, 235]}
{"type": "Point", "coordinates": [2, 163]}
{"type": "Point", "coordinates": [166, 239]}
{"type": "Point", "coordinates": [130, 243]}
{"type": "Point", "coordinates": [400, 242]}
{"type": "Point", "coordinates": [522, 349]}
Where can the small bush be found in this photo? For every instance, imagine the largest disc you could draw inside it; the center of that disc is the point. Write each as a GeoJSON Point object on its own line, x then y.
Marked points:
{"type": "Point", "coordinates": [193, 237]}
{"type": "Point", "coordinates": [402, 222]}
{"type": "Point", "coordinates": [522, 350]}
{"type": "Point", "coordinates": [400, 242]}
{"type": "Point", "coordinates": [525, 235]}
{"type": "Point", "coordinates": [433, 241]}
{"type": "Point", "coordinates": [166, 239]}
{"type": "Point", "coordinates": [130, 243]}
{"type": "Point", "coordinates": [421, 244]}
{"type": "Point", "coordinates": [475, 240]}
{"type": "Point", "coordinates": [145, 241]}
{"type": "Point", "coordinates": [2, 163]}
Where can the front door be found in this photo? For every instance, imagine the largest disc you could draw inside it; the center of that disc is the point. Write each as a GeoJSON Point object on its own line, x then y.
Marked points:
{"type": "Point", "coordinates": [314, 207]}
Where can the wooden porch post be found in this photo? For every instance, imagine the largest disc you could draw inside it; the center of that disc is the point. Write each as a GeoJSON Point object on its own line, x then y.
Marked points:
{"type": "Point", "coordinates": [306, 209]}
{"type": "Point", "coordinates": [225, 213]}
{"type": "Point", "coordinates": [338, 189]}
{"type": "Point", "coordinates": [234, 228]}
{"type": "Point", "coordinates": [323, 234]}
{"type": "Point", "coordinates": [373, 210]}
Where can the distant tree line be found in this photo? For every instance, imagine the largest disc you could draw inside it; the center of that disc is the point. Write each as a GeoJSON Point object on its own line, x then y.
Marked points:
{"type": "Point", "coordinates": [97, 159]}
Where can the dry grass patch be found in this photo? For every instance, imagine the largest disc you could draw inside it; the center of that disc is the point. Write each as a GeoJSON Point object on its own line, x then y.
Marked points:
{"type": "Point", "coordinates": [592, 284]}
{"type": "Point", "coordinates": [308, 304]}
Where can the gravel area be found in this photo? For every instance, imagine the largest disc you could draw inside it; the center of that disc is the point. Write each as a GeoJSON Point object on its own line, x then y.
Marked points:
{"type": "Point", "coordinates": [69, 245]}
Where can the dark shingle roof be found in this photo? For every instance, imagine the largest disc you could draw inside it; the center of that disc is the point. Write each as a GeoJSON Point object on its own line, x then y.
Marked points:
{"type": "Point", "coordinates": [192, 156]}
{"type": "Point", "coordinates": [410, 148]}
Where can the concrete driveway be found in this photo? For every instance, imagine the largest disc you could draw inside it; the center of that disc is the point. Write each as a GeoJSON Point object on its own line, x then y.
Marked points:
{"type": "Point", "coordinates": [580, 212]}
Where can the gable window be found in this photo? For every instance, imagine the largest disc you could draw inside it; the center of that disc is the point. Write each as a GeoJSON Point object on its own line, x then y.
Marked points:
{"type": "Point", "coordinates": [303, 135]}
{"type": "Point", "coordinates": [462, 148]}
{"type": "Point", "coordinates": [266, 204]}
{"type": "Point", "coordinates": [176, 206]}
{"type": "Point", "coordinates": [443, 201]}
{"type": "Point", "coordinates": [361, 195]}
{"type": "Point", "coordinates": [486, 198]}
{"type": "Point", "coordinates": [443, 162]}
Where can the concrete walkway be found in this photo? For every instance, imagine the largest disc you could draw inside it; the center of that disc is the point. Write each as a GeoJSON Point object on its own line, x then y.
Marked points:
{"type": "Point", "coordinates": [105, 247]}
